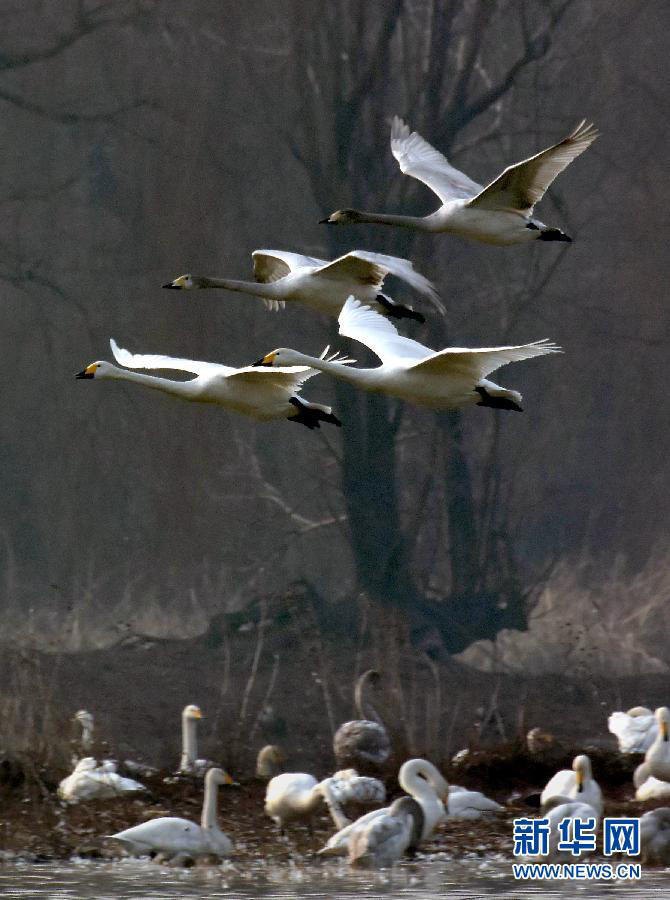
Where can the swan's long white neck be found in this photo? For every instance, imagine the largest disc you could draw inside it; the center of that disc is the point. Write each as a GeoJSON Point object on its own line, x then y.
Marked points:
{"type": "Point", "coordinates": [86, 735]}
{"type": "Point", "coordinates": [209, 820]}
{"type": "Point", "coordinates": [271, 290]}
{"type": "Point", "coordinates": [189, 746]}
{"type": "Point", "coordinates": [166, 385]}
{"type": "Point", "coordinates": [358, 377]}
{"type": "Point", "coordinates": [424, 791]}
{"type": "Point", "coordinates": [420, 222]}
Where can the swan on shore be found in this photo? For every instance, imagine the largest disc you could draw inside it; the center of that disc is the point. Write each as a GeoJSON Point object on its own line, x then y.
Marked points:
{"type": "Point", "coordinates": [422, 781]}
{"type": "Point", "coordinates": [635, 729]}
{"type": "Point", "coordinates": [170, 834]}
{"type": "Point", "coordinates": [466, 804]}
{"type": "Point", "coordinates": [89, 781]}
{"type": "Point", "coordinates": [387, 838]}
{"type": "Point", "coordinates": [269, 761]}
{"type": "Point", "coordinates": [362, 743]}
{"type": "Point", "coordinates": [320, 285]}
{"type": "Point", "coordinates": [657, 758]}
{"type": "Point", "coordinates": [576, 783]}
{"type": "Point", "coordinates": [500, 213]}
{"type": "Point", "coordinates": [263, 397]}
{"type": "Point", "coordinates": [655, 837]}
{"type": "Point", "coordinates": [440, 379]}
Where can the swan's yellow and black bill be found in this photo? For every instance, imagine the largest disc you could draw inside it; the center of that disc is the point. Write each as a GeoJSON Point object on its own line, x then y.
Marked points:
{"type": "Point", "coordinates": [228, 779]}
{"type": "Point", "coordinates": [266, 360]}
{"type": "Point", "coordinates": [88, 372]}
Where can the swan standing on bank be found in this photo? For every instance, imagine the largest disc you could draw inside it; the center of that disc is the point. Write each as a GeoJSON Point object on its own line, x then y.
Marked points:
{"type": "Point", "coordinates": [635, 729]}
{"type": "Point", "coordinates": [500, 213]}
{"type": "Point", "coordinates": [574, 784]}
{"type": "Point", "coordinates": [297, 796]}
{"type": "Point", "coordinates": [239, 390]}
{"type": "Point", "coordinates": [362, 743]}
{"type": "Point", "coordinates": [320, 285]}
{"type": "Point", "coordinates": [440, 379]}
{"type": "Point", "coordinates": [657, 758]}
{"type": "Point", "coordinates": [89, 781]}
{"type": "Point", "coordinates": [424, 783]}
{"type": "Point", "coordinates": [189, 764]}
{"type": "Point", "coordinates": [170, 834]}
{"type": "Point", "coordinates": [387, 838]}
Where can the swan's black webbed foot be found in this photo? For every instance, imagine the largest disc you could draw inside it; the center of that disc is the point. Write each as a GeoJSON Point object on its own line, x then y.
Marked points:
{"type": "Point", "coordinates": [554, 234]}
{"type": "Point", "coordinates": [496, 402]}
{"type": "Point", "coordinates": [397, 311]}
{"type": "Point", "coordinates": [311, 416]}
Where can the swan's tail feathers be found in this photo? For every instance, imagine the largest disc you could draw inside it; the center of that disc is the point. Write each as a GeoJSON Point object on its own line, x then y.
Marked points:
{"type": "Point", "coordinates": [398, 310]}
{"type": "Point", "coordinates": [336, 357]}
{"type": "Point", "coordinates": [312, 414]}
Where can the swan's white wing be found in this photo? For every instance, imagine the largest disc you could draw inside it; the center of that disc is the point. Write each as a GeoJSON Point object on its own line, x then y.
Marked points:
{"type": "Point", "coordinates": [479, 362]}
{"type": "Point", "coordinates": [635, 734]}
{"type": "Point", "coordinates": [271, 265]}
{"type": "Point", "coordinates": [363, 324]}
{"type": "Point", "coordinates": [559, 785]}
{"type": "Point", "coordinates": [153, 361]}
{"type": "Point", "coordinates": [416, 157]}
{"type": "Point", "coordinates": [288, 378]}
{"type": "Point", "coordinates": [372, 268]}
{"type": "Point", "coordinates": [523, 185]}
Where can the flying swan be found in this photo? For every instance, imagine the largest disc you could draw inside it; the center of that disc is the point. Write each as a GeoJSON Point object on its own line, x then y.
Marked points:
{"type": "Point", "coordinates": [320, 285]}
{"type": "Point", "coordinates": [500, 213]}
{"type": "Point", "coordinates": [245, 391]}
{"type": "Point", "coordinates": [170, 834]}
{"type": "Point", "coordinates": [440, 379]}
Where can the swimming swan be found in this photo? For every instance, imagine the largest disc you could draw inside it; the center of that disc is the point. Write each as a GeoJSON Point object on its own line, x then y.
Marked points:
{"type": "Point", "coordinates": [266, 397]}
{"type": "Point", "coordinates": [574, 784]}
{"type": "Point", "coordinates": [386, 838]}
{"type": "Point", "coordinates": [440, 379]}
{"type": "Point", "coordinates": [500, 213]}
{"type": "Point", "coordinates": [424, 783]}
{"type": "Point", "coordinates": [635, 729]}
{"type": "Point", "coordinates": [170, 834]}
{"type": "Point", "coordinates": [89, 781]}
{"type": "Point", "coordinates": [320, 285]}
{"type": "Point", "coordinates": [362, 743]}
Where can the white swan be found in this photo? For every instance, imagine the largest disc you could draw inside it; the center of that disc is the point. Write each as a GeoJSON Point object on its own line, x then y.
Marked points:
{"type": "Point", "coordinates": [387, 837]}
{"type": "Point", "coordinates": [89, 781]}
{"type": "Point", "coordinates": [442, 379]}
{"type": "Point", "coordinates": [652, 789]}
{"type": "Point", "coordinates": [465, 804]}
{"type": "Point", "coordinates": [635, 729]}
{"type": "Point", "coordinates": [362, 743]}
{"type": "Point", "coordinates": [170, 834]}
{"type": "Point", "coordinates": [657, 758]}
{"type": "Point", "coordinates": [574, 784]}
{"type": "Point", "coordinates": [500, 213]}
{"type": "Point", "coordinates": [85, 719]}
{"type": "Point", "coordinates": [655, 836]}
{"type": "Point", "coordinates": [297, 796]}
{"type": "Point", "coordinates": [189, 763]}
{"type": "Point", "coordinates": [572, 809]}
{"type": "Point", "coordinates": [239, 390]}
{"type": "Point", "coordinates": [422, 781]}
{"type": "Point", "coordinates": [320, 285]}
{"type": "Point", "coordinates": [268, 762]}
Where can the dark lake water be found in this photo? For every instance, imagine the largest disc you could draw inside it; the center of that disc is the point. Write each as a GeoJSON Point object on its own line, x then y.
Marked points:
{"type": "Point", "coordinates": [429, 878]}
